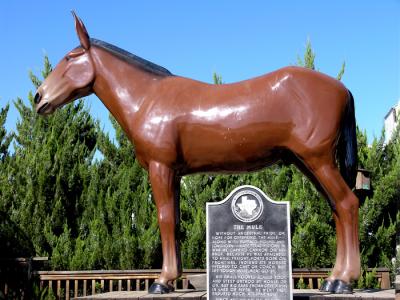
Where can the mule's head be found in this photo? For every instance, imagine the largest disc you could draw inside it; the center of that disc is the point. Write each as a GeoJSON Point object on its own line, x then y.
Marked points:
{"type": "Point", "coordinates": [71, 79]}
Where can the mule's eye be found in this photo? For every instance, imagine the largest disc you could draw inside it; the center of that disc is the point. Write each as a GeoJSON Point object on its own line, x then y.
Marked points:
{"type": "Point", "coordinates": [67, 58]}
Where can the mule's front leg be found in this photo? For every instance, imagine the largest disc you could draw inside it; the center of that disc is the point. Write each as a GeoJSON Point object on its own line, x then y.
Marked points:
{"type": "Point", "coordinates": [165, 185]}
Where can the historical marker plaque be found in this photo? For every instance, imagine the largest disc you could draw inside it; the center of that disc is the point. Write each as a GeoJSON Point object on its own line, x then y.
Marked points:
{"type": "Point", "coordinates": [248, 247]}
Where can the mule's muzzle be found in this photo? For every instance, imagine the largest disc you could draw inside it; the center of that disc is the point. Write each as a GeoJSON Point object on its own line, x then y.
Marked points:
{"type": "Point", "coordinates": [43, 108]}
{"type": "Point", "coordinates": [37, 98]}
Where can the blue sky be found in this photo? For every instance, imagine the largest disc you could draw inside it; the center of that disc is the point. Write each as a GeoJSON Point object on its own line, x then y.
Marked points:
{"type": "Point", "coordinates": [236, 39]}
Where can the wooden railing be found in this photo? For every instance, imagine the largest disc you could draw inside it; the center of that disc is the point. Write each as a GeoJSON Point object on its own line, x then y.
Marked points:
{"type": "Point", "coordinates": [312, 278]}
{"type": "Point", "coordinates": [68, 284]}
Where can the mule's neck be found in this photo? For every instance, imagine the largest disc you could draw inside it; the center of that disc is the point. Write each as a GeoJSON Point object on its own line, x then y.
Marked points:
{"type": "Point", "coordinates": [120, 86]}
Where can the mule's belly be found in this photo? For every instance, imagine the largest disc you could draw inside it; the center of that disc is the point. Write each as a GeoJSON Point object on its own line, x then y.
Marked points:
{"type": "Point", "coordinates": [230, 165]}
{"type": "Point", "coordinates": [231, 150]}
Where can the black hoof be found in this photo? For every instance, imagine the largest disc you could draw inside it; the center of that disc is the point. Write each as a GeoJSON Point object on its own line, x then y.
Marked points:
{"type": "Point", "coordinates": [327, 286]}
{"type": "Point", "coordinates": [341, 287]}
{"type": "Point", "coordinates": [159, 288]}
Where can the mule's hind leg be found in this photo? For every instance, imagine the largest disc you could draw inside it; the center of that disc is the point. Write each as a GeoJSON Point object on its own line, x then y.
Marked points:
{"type": "Point", "coordinates": [339, 261]}
{"type": "Point", "coordinates": [165, 186]}
{"type": "Point", "coordinates": [345, 209]}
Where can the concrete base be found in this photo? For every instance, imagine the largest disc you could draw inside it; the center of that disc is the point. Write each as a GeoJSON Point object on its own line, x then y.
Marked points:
{"type": "Point", "coordinates": [200, 295]}
{"type": "Point", "coordinates": [358, 294]}
{"type": "Point", "coordinates": [198, 282]}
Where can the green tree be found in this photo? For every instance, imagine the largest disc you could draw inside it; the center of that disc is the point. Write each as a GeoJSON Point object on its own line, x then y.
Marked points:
{"type": "Point", "coordinates": [5, 138]}
{"type": "Point", "coordinates": [119, 225]}
{"type": "Point", "coordinates": [13, 241]}
{"type": "Point", "coordinates": [379, 214]}
{"type": "Point", "coordinates": [5, 161]}
{"type": "Point", "coordinates": [217, 79]}
{"type": "Point", "coordinates": [308, 59]}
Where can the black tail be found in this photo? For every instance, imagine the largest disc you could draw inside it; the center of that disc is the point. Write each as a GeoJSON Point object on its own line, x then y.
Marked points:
{"type": "Point", "coordinates": [347, 146]}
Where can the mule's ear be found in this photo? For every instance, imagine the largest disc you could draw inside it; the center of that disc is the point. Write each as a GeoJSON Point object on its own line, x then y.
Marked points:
{"type": "Point", "coordinates": [81, 31]}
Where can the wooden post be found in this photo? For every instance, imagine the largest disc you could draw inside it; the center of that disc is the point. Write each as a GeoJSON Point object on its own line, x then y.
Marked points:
{"type": "Point", "coordinates": [385, 284]}
{"type": "Point", "coordinates": [137, 284]}
{"type": "Point", "coordinates": [128, 285]}
{"type": "Point", "coordinates": [111, 285]}
{"type": "Point", "coordinates": [310, 283]}
{"type": "Point", "coordinates": [58, 289]}
{"type": "Point", "coordinates": [102, 285]}
{"type": "Point", "coordinates": [119, 285]}
{"type": "Point", "coordinates": [93, 287]}
{"type": "Point", "coordinates": [84, 287]}
{"type": "Point", "coordinates": [76, 288]}
{"type": "Point", "coordinates": [67, 290]}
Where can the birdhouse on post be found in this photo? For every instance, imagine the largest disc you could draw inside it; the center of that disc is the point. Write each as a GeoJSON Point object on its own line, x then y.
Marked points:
{"type": "Point", "coordinates": [363, 184]}
{"type": "Point", "coordinates": [363, 180]}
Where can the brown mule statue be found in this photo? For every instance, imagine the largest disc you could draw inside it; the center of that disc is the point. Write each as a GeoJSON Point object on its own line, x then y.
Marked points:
{"type": "Point", "coordinates": [182, 126]}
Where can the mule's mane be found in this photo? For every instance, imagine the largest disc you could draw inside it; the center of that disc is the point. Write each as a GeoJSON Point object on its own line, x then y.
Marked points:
{"type": "Point", "coordinates": [131, 58]}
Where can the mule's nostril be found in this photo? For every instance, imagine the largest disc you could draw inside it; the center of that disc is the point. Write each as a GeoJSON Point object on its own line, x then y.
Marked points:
{"type": "Point", "coordinates": [37, 98]}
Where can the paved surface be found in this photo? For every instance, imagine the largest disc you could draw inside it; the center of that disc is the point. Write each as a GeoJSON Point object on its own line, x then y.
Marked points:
{"type": "Point", "coordinates": [200, 295]}
{"type": "Point", "coordinates": [358, 294]}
